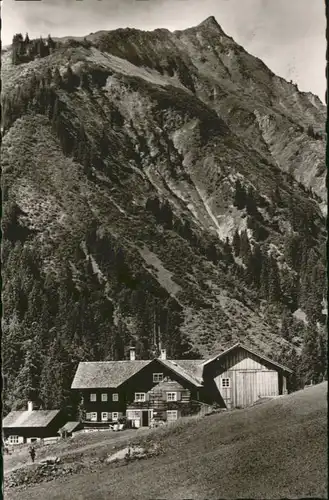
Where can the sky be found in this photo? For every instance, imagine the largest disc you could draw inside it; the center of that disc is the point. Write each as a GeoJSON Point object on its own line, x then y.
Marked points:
{"type": "Point", "coordinates": [288, 35]}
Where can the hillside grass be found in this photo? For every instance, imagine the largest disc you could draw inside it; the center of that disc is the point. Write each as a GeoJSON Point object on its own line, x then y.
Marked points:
{"type": "Point", "coordinates": [274, 450]}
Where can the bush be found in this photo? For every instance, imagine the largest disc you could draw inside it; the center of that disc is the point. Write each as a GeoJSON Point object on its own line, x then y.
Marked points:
{"type": "Point", "coordinates": [312, 133]}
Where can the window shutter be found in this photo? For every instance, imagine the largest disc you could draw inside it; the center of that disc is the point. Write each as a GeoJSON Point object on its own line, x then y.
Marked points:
{"type": "Point", "coordinates": [147, 396]}
{"type": "Point", "coordinates": [179, 396]}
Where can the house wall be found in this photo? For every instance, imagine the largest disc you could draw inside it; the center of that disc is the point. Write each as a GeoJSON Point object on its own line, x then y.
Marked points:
{"type": "Point", "coordinates": [143, 382]}
{"type": "Point", "coordinates": [156, 400]}
{"type": "Point", "coordinates": [100, 406]}
{"type": "Point", "coordinates": [249, 378]}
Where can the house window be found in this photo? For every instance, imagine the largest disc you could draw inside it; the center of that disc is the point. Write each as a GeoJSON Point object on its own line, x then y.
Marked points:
{"type": "Point", "coordinates": [171, 396]}
{"type": "Point", "coordinates": [171, 415]}
{"type": "Point", "coordinates": [104, 416]}
{"type": "Point", "coordinates": [93, 416]}
{"type": "Point", "coordinates": [139, 396]}
{"type": "Point", "coordinates": [225, 382]}
{"type": "Point", "coordinates": [104, 397]}
{"type": "Point", "coordinates": [157, 377]}
{"type": "Point", "coordinates": [13, 439]}
{"type": "Point", "coordinates": [115, 416]}
{"type": "Point", "coordinates": [92, 397]}
{"type": "Point", "coordinates": [115, 396]}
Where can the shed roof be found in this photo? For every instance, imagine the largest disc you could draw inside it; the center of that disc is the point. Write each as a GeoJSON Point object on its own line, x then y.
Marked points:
{"type": "Point", "coordinates": [34, 418]}
{"type": "Point", "coordinates": [70, 426]}
{"type": "Point", "coordinates": [241, 346]}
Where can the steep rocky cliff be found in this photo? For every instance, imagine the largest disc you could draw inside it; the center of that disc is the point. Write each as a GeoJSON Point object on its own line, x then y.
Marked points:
{"type": "Point", "coordinates": [156, 185]}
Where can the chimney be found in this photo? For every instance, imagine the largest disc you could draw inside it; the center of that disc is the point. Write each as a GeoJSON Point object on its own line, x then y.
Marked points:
{"type": "Point", "coordinates": [132, 354]}
{"type": "Point", "coordinates": [163, 354]}
{"type": "Point", "coordinates": [30, 406]}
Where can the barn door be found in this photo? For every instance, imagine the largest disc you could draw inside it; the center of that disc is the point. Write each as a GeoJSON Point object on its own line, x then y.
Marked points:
{"type": "Point", "coordinates": [246, 388]}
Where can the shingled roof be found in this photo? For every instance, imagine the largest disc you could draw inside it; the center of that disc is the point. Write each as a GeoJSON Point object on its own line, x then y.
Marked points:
{"type": "Point", "coordinates": [190, 369]}
{"type": "Point", "coordinates": [111, 374]}
{"type": "Point", "coordinates": [34, 418]}
{"type": "Point", "coordinates": [105, 374]}
{"type": "Point", "coordinates": [70, 426]}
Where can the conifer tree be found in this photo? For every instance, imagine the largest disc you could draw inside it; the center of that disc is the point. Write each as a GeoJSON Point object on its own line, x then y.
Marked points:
{"type": "Point", "coordinates": [42, 49]}
{"type": "Point", "coordinates": [26, 382]}
{"type": "Point", "coordinates": [264, 277]}
{"type": "Point", "coordinates": [84, 81]}
{"type": "Point", "coordinates": [286, 329]}
{"type": "Point", "coordinates": [50, 42]}
{"type": "Point", "coordinates": [250, 202]}
{"type": "Point", "coordinates": [70, 79]}
{"type": "Point", "coordinates": [240, 195]}
{"type": "Point", "coordinates": [274, 288]}
{"type": "Point", "coordinates": [57, 78]}
{"type": "Point", "coordinates": [211, 252]}
{"type": "Point", "coordinates": [166, 215]}
{"type": "Point", "coordinates": [322, 351]}
{"type": "Point", "coordinates": [293, 361]}
{"type": "Point", "coordinates": [311, 362]}
{"type": "Point", "coordinates": [236, 243]}
{"type": "Point", "coordinates": [227, 252]}
{"type": "Point", "coordinates": [245, 249]}
{"type": "Point", "coordinates": [55, 377]}
{"type": "Point", "coordinates": [256, 263]}
{"type": "Point", "coordinates": [292, 251]}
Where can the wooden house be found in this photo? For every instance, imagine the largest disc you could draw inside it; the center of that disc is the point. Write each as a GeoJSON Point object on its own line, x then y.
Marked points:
{"type": "Point", "coordinates": [134, 389]}
{"type": "Point", "coordinates": [31, 425]}
{"type": "Point", "coordinates": [143, 390]}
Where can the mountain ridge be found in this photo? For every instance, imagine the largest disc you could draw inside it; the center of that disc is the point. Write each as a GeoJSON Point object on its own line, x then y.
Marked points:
{"type": "Point", "coordinates": [139, 206]}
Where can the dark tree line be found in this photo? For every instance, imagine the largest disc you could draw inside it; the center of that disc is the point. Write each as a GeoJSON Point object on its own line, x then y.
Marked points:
{"type": "Point", "coordinates": [26, 50]}
{"type": "Point", "coordinates": [53, 322]}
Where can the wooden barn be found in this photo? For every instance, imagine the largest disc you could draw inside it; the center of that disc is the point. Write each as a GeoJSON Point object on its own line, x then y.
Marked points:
{"type": "Point", "coordinates": [242, 376]}
{"type": "Point", "coordinates": [31, 425]}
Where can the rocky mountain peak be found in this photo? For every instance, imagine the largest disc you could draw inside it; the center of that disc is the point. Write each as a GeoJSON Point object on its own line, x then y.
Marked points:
{"type": "Point", "coordinates": [210, 22]}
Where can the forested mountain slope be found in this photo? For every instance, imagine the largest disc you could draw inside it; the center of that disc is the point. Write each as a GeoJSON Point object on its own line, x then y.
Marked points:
{"type": "Point", "coordinates": [148, 193]}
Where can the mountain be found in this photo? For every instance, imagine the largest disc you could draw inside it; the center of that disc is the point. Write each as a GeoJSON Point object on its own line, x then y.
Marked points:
{"type": "Point", "coordinates": [157, 186]}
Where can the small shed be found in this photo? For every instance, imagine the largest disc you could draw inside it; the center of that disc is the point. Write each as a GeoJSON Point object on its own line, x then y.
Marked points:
{"type": "Point", "coordinates": [69, 429]}
{"type": "Point", "coordinates": [242, 376]}
{"type": "Point", "coordinates": [31, 425]}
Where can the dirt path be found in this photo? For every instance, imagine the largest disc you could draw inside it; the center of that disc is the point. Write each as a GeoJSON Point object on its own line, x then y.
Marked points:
{"type": "Point", "coordinates": [114, 439]}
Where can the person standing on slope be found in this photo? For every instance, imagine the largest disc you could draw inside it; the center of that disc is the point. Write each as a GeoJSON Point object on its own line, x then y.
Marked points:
{"type": "Point", "coordinates": [32, 453]}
